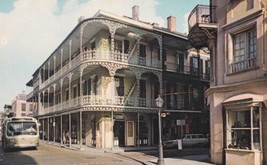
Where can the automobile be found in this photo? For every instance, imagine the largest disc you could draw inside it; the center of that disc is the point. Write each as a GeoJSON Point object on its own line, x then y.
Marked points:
{"type": "Point", "coordinates": [189, 140]}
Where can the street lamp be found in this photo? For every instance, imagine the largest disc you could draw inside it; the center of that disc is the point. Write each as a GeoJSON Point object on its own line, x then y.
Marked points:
{"type": "Point", "coordinates": [159, 102]}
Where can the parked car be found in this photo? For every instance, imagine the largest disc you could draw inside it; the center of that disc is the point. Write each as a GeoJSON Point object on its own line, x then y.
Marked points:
{"type": "Point", "coordinates": [189, 140]}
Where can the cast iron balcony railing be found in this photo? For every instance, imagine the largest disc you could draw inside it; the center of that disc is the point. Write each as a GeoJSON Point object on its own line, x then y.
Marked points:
{"type": "Point", "coordinates": [185, 69]}
{"type": "Point", "coordinates": [102, 56]}
{"type": "Point", "coordinates": [243, 65]}
{"type": "Point", "coordinates": [97, 101]}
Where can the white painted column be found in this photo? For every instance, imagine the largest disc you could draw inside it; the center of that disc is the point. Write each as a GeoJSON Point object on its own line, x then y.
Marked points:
{"type": "Point", "coordinates": [70, 130]}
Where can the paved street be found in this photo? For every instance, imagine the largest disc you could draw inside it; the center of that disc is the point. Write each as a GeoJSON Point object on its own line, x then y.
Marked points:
{"type": "Point", "coordinates": [53, 155]}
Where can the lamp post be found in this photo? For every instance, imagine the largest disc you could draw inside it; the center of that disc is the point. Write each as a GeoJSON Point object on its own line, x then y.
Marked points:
{"type": "Point", "coordinates": [159, 102]}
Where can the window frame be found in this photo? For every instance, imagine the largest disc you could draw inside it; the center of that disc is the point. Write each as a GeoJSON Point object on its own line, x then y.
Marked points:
{"type": "Point", "coordinates": [232, 131]}
{"type": "Point", "coordinates": [23, 107]}
{"type": "Point", "coordinates": [249, 62]}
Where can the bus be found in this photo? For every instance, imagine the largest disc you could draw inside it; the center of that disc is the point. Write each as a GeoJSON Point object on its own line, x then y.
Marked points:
{"type": "Point", "coordinates": [20, 132]}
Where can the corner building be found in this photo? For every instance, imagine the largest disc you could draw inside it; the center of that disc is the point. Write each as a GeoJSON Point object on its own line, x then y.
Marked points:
{"type": "Point", "coordinates": [235, 32]}
{"type": "Point", "coordinates": [101, 83]}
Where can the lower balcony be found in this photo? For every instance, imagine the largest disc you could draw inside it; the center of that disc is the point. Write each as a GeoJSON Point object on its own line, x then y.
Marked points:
{"type": "Point", "coordinates": [98, 101]}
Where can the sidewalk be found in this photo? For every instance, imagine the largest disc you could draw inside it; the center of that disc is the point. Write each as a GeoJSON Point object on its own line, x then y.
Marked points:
{"type": "Point", "coordinates": [184, 160]}
{"type": "Point", "coordinates": [181, 160]}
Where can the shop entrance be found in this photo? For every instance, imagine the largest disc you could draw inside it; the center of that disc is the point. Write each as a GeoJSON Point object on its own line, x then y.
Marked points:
{"type": "Point", "coordinates": [119, 133]}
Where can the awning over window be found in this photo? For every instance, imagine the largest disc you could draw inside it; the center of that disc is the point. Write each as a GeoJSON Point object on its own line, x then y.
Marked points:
{"type": "Point", "coordinates": [243, 101]}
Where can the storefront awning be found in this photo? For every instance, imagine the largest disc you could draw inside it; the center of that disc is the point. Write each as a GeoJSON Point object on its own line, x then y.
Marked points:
{"type": "Point", "coordinates": [243, 100]}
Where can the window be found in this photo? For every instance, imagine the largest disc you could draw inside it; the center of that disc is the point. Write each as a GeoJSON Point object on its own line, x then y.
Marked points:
{"type": "Point", "coordinates": [207, 67]}
{"type": "Point", "coordinates": [126, 45]}
{"type": "Point", "coordinates": [119, 86]}
{"type": "Point", "coordinates": [244, 129]}
{"type": "Point", "coordinates": [23, 107]}
{"type": "Point", "coordinates": [195, 94]}
{"type": "Point", "coordinates": [118, 45]}
{"type": "Point", "coordinates": [194, 65]}
{"type": "Point", "coordinates": [142, 50]}
{"type": "Point", "coordinates": [244, 51]}
{"type": "Point", "coordinates": [87, 87]}
{"type": "Point", "coordinates": [142, 89]}
{"type": "Point", "coordinates": [180, 62]}
{"type": "Point", "coordinates": [66, 94]}
{"type": "Point", "coordinates": [74, 94]}
{"type": "Point", "coordinates": [31, 107]}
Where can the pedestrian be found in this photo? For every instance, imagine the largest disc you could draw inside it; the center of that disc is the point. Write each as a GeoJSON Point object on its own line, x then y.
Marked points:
{"type": "Point", "coordinates": [67, 137]}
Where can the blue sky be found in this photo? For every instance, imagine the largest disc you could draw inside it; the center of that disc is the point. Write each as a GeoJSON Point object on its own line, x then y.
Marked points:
{"type": "Point", "coordinates": [32, 29]}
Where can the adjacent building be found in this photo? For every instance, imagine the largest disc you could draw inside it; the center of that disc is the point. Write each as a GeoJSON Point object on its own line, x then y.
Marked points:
{"type": "Point", "coordinates": [98, 88]}
{"type": "Point", "coordinates": [235, 31]}
{"type": "Point", "coordinates": [20, 106]}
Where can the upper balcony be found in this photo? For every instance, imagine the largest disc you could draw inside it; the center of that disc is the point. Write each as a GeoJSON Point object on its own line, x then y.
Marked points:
{"type": "Point", "coordinates": [187, 70]}
{"type": "Point", "coordinates": [99, 56]}
{"type": "Point", "coordinates": [202, 25]}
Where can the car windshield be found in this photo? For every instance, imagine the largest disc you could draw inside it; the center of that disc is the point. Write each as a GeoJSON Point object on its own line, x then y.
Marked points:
{"type": "Point", "coordinates": [21, 128]}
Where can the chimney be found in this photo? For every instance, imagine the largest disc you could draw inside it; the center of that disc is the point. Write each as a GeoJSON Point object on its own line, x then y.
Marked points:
{"type": "Point", "coordinates": [135, 12]}
{"type": "Point", "coordinates": [171, 23]}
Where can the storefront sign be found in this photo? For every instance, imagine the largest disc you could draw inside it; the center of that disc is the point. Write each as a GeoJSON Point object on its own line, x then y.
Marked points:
{"type": "Point", "coordinates": [180, 122]}
{"type": "Point", "coordinates": [118, 117]}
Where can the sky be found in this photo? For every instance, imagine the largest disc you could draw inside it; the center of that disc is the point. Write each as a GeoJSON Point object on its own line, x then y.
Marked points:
{"type": "Point", "coordinates": [30, 30]}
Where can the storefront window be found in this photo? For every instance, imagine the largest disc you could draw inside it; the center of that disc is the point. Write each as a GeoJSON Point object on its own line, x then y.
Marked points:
{"type": "Point", "coordinates": [244, 129]}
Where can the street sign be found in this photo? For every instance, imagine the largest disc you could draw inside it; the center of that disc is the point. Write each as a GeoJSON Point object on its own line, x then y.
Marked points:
{"type": "Point", "coordinates": [180, 122]}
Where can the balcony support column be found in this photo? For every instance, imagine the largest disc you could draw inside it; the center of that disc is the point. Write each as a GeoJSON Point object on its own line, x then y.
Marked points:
{"type": "Point", "coordinates": [61, 93]}
{"type": "Point", "coordinates": [48, 120]}
{"type": "Point", "coordinates": [81, 37]}
{"type": "Point", "coordinates": [113, 90]}
{"type": "Point", "coordinates": [70, 91]}
{"type": "Point", "coordinates": [81, 83]}
{"type": "Point", "coordinates": [138, 48]}
{"type": "Point", "coordinates": [70, 44]}
{"type": "Point", "coordinates": [70, 130]}
{"type": "Point", "coordinates": [43, 120]}
{"type": "Point", "coordinates": [48, 98]}
{"type": "Point", "coordinates": [61, 60]}
{"type": "Point", "coordinates": [81, 124]}
{"type": "Point", "coordinates": [138, 91]}
{"type": "Point", "coordinates": [39, 103]}
{"type": "Point", "coordinates": [54, 129]}
{"type": "Point", "coordinates": [138, 129]}
{"type": "Point", "coordinates": [54, 95]}
{"type": "Point", "coordinates": [61, 135]}
{"type": "Point", "coordinates": [48, 69]}
{"type": "Point", "coordinates": [43, 76]}
{"type": "Point", "coordinates": [199, 63]}
{"type": "Point", "coordinates": [55, 58]}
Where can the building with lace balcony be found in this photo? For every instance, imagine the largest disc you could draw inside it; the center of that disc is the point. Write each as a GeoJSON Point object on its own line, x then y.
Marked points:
{"type": "Point", "coordinates": [98, 88]}
{"type": "Point", "coordinates": [235, 32]}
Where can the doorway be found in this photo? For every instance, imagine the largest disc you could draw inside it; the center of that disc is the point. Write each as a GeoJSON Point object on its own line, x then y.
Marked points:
{"type": "Point", "coordinates": [119, 133]}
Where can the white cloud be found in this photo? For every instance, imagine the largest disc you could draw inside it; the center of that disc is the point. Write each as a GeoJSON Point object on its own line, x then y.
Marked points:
{"type": "Point", "coordinates": [34, 29]}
